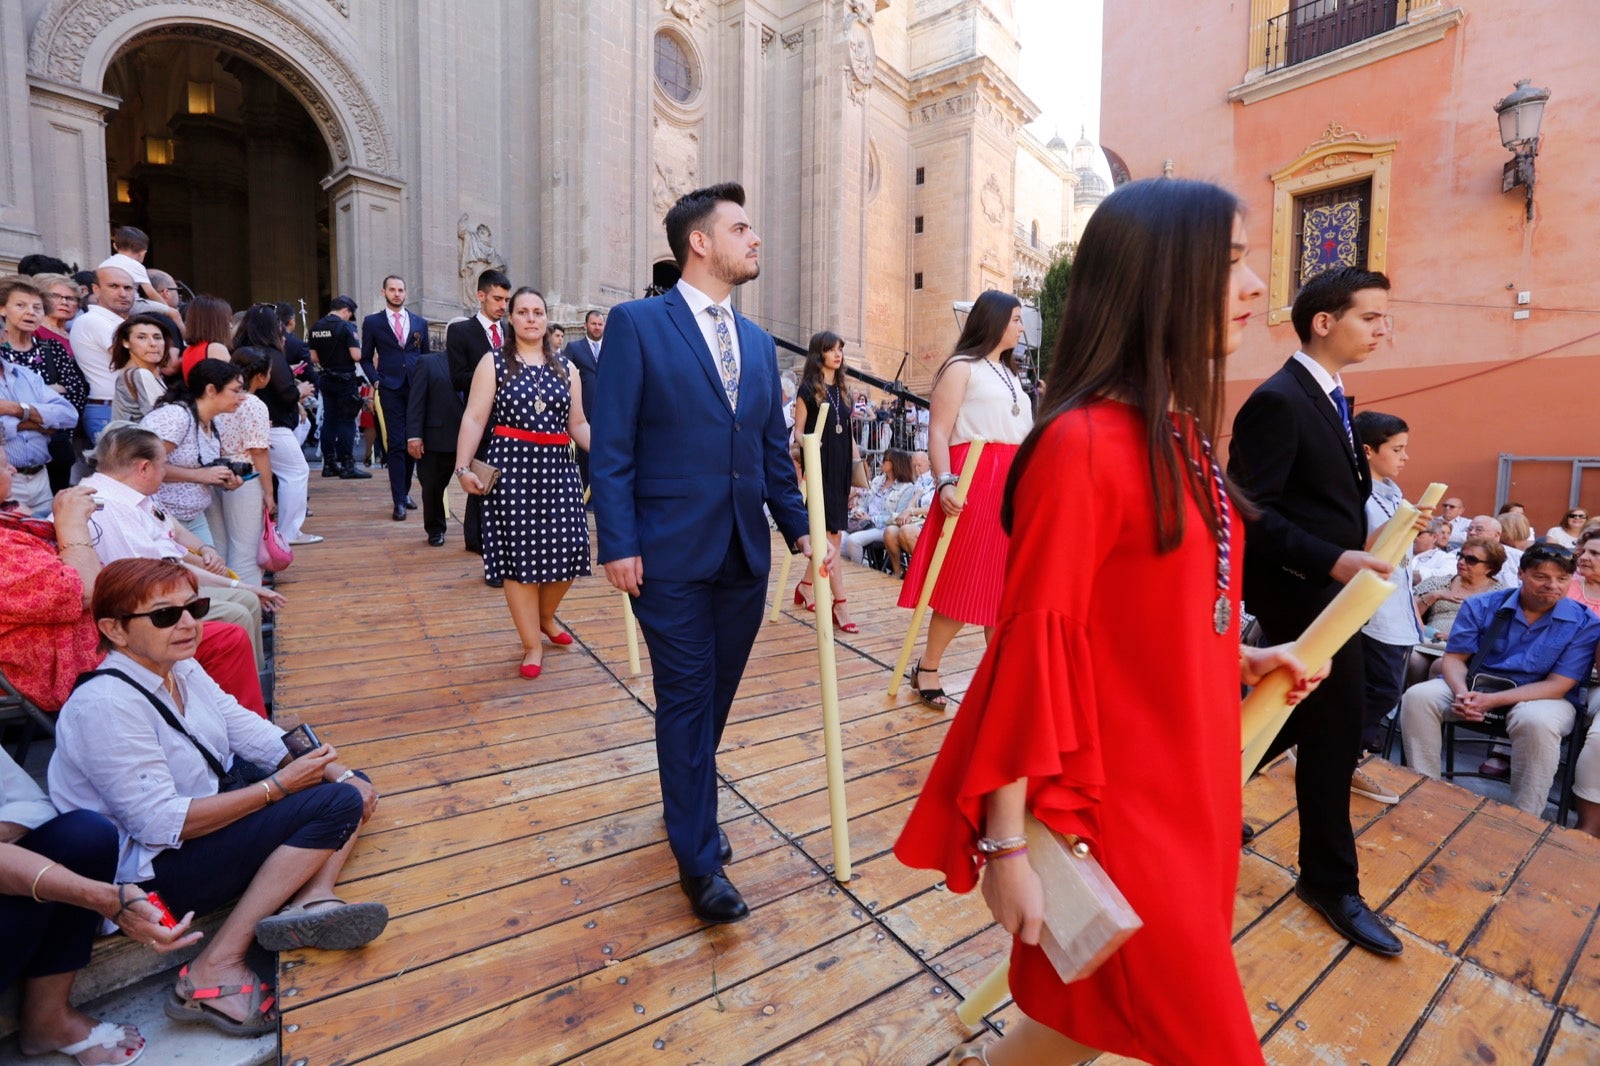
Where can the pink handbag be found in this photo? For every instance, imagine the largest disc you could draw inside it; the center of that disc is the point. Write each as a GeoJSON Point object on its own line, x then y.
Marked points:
{"type": "Point", "coordinates": [273, 553]}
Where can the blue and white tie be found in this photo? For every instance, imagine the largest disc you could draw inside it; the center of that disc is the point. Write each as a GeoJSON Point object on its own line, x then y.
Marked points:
{"type": "Point", "coordinates": [729, 367]}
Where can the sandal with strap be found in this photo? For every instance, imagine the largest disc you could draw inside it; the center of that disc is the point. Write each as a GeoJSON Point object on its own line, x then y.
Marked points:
{"type": "Point", "coordinates": [936, 698]}
{"type": "Point", "coordinates": [105, 1036]}
{"type": "Point", "coordinates": [971, 1051]}
{"type": "Point", "coordinates": [188, 1004]}
{"type": "Point", "coordinates": [333, 926]}
{"type": "Point", "coordinates": [800, 601]}
{"type": "Point", "coordinates": [843, 627]}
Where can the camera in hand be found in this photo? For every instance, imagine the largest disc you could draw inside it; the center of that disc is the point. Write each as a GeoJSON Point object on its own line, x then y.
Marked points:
{"type": "Point", "coordinates": [239, 467]}
{"type": "Point", "coordinates": [301, 740]}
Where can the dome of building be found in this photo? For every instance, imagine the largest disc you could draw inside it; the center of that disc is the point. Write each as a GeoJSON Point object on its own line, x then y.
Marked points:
{"type": "Point", "coordinates": [1056, 144]}
{"type": "Point", "coordinates": [1092, 188]}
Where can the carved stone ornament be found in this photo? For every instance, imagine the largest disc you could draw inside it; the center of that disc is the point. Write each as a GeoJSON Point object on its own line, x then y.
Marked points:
{"type": "Point", "coordinates": [862, 69]}
{"type": "Point", "coordinates": [288, 47]}
{"type": "Point", "coordinates": [687, 10]}
{"type": "Point", "coordinates": [993, 200]}
{"type": "Point", "coordinates": [478, 254]}
{"type": "Point", "coordinates": [1332, 135]}
{"type": "Point", "coordinates": [861, 9]}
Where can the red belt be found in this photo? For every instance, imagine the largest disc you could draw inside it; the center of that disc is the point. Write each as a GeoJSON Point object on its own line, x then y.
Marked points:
{"type": "Point", "coordinates": [531, 437]}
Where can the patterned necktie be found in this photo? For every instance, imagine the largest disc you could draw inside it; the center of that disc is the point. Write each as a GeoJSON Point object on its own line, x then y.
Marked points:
{"type": "Point", "coordinates": [399, 329]}
{"type": "Point", "coordinates": [1344, 414]}
{"type": "Point", "coordinates": [730, 369]}
{"type": "Point", "coordinates": [494, 334]}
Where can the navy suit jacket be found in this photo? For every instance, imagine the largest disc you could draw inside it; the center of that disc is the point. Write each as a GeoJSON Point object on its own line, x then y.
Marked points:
{"type": "Point", "coordinates": [579, 355]}
{"type": "Point", "coordinates": [433, 408]}
{"type": "Point", "coordinates": [394, 361]}
{"type": "Point", "coordinates": [676, 474]}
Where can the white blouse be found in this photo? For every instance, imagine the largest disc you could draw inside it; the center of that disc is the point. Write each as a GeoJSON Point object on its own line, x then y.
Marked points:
{"type": "Point", "coordinates": [116, 756]}
{"type": "Point", "coordinates": [992, 392]}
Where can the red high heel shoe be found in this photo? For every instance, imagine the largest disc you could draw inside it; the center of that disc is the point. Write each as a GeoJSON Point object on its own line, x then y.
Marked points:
{"type": "Point", "coordinates": [530, 670]}
{"type": "Point", "coordinates": [844, 627]}
{"type": "Point", "coordinates": [560, 637]}
{"type": "Point", "coordinates": [800, 601]}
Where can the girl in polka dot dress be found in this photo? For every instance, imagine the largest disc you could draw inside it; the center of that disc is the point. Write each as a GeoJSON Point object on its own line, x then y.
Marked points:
{"type": "Point", "coordinates": [535, 535]}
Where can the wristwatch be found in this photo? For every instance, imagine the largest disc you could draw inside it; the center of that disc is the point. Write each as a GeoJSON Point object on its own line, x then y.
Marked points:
{"type": "Point", "coordinates": [462, 470]}
{"type": "Point", "coordinates": [342, 778]}
{"type": "Point", "coordinates": [946, 479]}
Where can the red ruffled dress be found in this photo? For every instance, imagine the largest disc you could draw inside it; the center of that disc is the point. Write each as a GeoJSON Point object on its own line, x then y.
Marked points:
{"type": "Point", "coordinates": [1109, 689]}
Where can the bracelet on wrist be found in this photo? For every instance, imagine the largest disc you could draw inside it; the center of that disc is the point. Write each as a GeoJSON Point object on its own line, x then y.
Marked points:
{"type": "Point", "coordinates": [268, 790]}
{"type": "Point", "coordinates": [991, 846]}
{"type": "Point", "coordinates": [274, 779]}
{"type": "Point", "coordinates": [1009, 853]}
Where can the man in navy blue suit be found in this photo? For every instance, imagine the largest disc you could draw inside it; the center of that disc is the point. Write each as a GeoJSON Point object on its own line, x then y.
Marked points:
{"type": "Point", "coordinates": [689, 443]}
{"type": "Point", "coordinates": [391, 342]}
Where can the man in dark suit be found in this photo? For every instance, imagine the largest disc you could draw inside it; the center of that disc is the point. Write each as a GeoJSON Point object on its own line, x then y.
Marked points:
{"type": "Point", "coordinates": [433, 418]}
{"type": "Point", "coordinates": [1295, 457]}
{"type": "Point", "coordinates": [391, 341]}
{"type": "Point", "coordinates": [689, 443]}
{"type": "Point", "coordinates": [584, 353]}
{"type": "Point", "coordinates": [466, 342]}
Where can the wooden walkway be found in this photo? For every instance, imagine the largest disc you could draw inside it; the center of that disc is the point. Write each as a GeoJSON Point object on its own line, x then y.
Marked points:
{"type": "Point", "coordinates": [537, 918]}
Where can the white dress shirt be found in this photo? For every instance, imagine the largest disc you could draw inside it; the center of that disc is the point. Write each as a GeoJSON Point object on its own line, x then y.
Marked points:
{"type": "Point", "coordinates": [127, 527]}
{"type": "Point", "coordinates": [405, 322]}
{"type": "Point", "coordinates": [486, 322]}
{"type": "Point", "coordinates": [116, 756]}
{"type": "Point", "coordinates": [1325, 381]}
{"type": "Point", "coordinates": [698, 302]}
{"type": "Point", "coordinates": [91, 347]}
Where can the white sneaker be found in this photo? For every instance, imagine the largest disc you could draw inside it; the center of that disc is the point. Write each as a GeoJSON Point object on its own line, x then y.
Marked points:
{"type": "Point", "coordinates": [306, 538]}
{"type": "Point", "coordinates": [1362, 785]}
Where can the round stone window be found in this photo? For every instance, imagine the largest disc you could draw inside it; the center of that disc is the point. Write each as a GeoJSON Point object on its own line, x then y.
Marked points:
{"type": "Point", "coordinates": [675, 71]}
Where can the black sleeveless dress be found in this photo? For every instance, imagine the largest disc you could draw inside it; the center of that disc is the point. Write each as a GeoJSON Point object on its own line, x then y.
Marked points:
{"type": "Point", "coordinates": [837, 448]}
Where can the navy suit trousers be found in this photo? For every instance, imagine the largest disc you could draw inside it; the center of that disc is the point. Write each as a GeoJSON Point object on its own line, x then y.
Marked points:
{"type": "Point", "coordinates": [401, 466]}
{"type": "Point", "coordinates": [699, 634]}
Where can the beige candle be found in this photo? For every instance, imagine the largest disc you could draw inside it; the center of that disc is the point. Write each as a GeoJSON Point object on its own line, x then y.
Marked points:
{"type": "Point", "coordinates": [963, 483]}
{"type": "Point", "coordinates": [1266, 709]}
{"type": "Point", "coordinates": [827, 665]}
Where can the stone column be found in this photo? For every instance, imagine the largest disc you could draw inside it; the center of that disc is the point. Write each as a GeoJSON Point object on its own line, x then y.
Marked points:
{"type": "Point", "coordinates": [19, 226]}
{"type": "Point", "coordinates": [282, 223]}
{"type": "Point", "coordinates": [367, 235]}
{"type": "Point", "coordinates": [211, 154]}
{"type": "Point", "coordinates": [68, 129]}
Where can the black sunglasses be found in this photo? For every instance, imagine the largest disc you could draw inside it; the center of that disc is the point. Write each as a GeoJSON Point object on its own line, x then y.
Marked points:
{"type": "Point", "coordinates": [1474, 559]}
{"type": "Point", "coordinates": [167, 617]}
{"type": "Point", "coordinates": [1577, 514]}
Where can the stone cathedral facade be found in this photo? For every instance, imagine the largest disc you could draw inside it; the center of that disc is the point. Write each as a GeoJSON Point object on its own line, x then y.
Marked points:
{"type": "Point", "coordinates": [291, 149]}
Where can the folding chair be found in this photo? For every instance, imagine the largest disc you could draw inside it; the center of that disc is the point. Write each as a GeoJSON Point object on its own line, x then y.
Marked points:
{"type": "Point", "coordinates": [1497, 741]}
{"type": "Point", "coordinates": [30, 722]}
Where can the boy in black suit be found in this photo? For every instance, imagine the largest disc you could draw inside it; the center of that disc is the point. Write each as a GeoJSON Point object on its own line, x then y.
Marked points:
{"type": "Point", "coordinates": [433, 417]}
{"type": "Point", "coordinates": [1296, 459]}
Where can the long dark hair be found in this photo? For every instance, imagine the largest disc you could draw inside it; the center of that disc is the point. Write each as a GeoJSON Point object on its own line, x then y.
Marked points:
{"type": "Point", "coordinates": [1145, 321]}
{"type": "Point", "coordinates": [259, 327]}
{"type": "Point", "coordinates": [120, 355]}
{"type": "Point", "coordinates": [508, 339]}
{"type": "Point", "coordinates": [811, 374]}
{"type": "Point", "coordinates": [986, 327]}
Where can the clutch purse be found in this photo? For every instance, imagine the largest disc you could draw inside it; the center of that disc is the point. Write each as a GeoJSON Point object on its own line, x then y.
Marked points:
{"type": "Point", "coordinates": [487, 475]}
{"type": "Point", "coordinates": [1086, 918]}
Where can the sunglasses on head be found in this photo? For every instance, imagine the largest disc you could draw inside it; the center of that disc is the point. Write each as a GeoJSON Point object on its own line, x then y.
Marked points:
{"type": "Point", "coordinates": [167, 617]}
{"type": "Point", "coordinates": [1547, 553]}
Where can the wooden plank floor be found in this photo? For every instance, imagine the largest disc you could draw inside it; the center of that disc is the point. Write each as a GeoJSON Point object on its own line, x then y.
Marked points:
{"type": "Point", "coordinates": [536, 916]}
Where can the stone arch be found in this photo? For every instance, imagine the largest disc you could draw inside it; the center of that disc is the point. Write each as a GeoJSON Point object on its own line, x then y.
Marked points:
{"type": "Point", "coordinates": [75, 41]}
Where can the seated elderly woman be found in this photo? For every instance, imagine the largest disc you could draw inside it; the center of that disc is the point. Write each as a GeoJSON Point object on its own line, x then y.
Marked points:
{"type": "Point", "coordinates": [1439, 599]}
{"type": "Point", "coordinates": [56, 874]}
{"type": "Point", "coordinates": [207, 801]}
{"type": "Point", "coordinates": [47, 635]}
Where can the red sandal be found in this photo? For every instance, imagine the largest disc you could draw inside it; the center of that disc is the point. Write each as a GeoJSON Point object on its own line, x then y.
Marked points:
{"type": "Point", "coordinates": [188, 1004]}
{"type": "Point", "coordinates": [800, 601]}
{"type": "Point", "coordinates": [843, 627]}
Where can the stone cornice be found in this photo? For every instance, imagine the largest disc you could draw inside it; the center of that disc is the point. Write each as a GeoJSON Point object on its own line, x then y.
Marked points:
{"type": "Point", "coordinates": [1420, 31]}
{"type": "Point", "coordinates": [982, 73]}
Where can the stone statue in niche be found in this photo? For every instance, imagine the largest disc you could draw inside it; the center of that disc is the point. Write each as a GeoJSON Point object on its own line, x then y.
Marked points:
{"type": "Point", "coordinates": [477, 255]}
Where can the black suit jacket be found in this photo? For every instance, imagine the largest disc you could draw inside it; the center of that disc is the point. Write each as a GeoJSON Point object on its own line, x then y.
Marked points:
{"type": "Point", "coordinates": [466, 342]}
{"type": "Point", "coordinates": [433, 408]}
{"type": "Point", "coordinates": [1291, 457]}
{"type": "Point", "coordinates": [394, 360]}
{"type": "Point", "coordinates": [578, 355]}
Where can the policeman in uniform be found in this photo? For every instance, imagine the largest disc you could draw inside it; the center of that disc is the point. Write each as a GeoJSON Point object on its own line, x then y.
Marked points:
{"type": "Point", "coordinates": [338, 349]}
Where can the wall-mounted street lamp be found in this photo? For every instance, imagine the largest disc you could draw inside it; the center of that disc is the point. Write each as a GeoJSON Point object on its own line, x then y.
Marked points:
{"type": "Point", "coordinates": [1520, 115]}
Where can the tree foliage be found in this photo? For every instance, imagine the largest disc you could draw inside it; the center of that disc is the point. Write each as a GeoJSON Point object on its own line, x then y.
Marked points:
{"type": "Point", "coordinates": [1052, 297]}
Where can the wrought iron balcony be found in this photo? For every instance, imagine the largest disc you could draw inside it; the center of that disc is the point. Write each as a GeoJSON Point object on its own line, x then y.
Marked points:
{"type": "Point", "coordinates": [1312, 28]}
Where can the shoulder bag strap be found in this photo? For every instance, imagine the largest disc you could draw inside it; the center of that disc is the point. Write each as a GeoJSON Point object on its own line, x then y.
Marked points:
{"type": "Point", "coordinates": [161, 708]}
{"type": "Point", "coordinates": [1490, 637]}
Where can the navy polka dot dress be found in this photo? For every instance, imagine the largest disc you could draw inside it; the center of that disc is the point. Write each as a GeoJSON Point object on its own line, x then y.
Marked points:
{"type": "Point", "coordinates": [534, 529]}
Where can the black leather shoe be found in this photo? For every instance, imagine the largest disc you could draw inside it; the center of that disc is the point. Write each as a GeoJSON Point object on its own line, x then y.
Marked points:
{"type": "Point", "coordinates": [411, 505]}
{"type": "Point", "coordinates": [724, 849]}
{"type": "Point", "coordinates": [713, 898]}
{"type": "Point", "coordinates": [1352, 919]}
{"type": "Point", "coordinates": [331, 470]}
{"type": "Point", "coordinates": [436, 540]}
{"type": "Point", "coordinates": [399, 513]}
{"type": "Point", "coordinates": [495, 582]}
{"type": "Point", "coordinates": [357, 473]}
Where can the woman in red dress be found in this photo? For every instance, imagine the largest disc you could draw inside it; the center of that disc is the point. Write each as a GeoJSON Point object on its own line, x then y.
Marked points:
{"type": "Point", "coordinates": [1082, 714]}
{"type": "Point", "coordinates": [976, 393]}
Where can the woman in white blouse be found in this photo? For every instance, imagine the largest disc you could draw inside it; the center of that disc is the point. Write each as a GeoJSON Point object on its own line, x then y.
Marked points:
{"type": "Point", "coordinates": [207, 803]}
{"type": "Point", "coordinates": [184, 422]}
{"type": "Point", "coordinates": [236, 516]}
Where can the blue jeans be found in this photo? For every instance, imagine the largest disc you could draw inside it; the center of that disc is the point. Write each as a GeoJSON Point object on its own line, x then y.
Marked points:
{"type": "Point", "coordinates": [95, 418]}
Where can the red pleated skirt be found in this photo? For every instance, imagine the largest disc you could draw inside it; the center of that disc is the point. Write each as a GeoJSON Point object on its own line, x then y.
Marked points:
{"type": "Point", "coordinates": [973, 575]}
